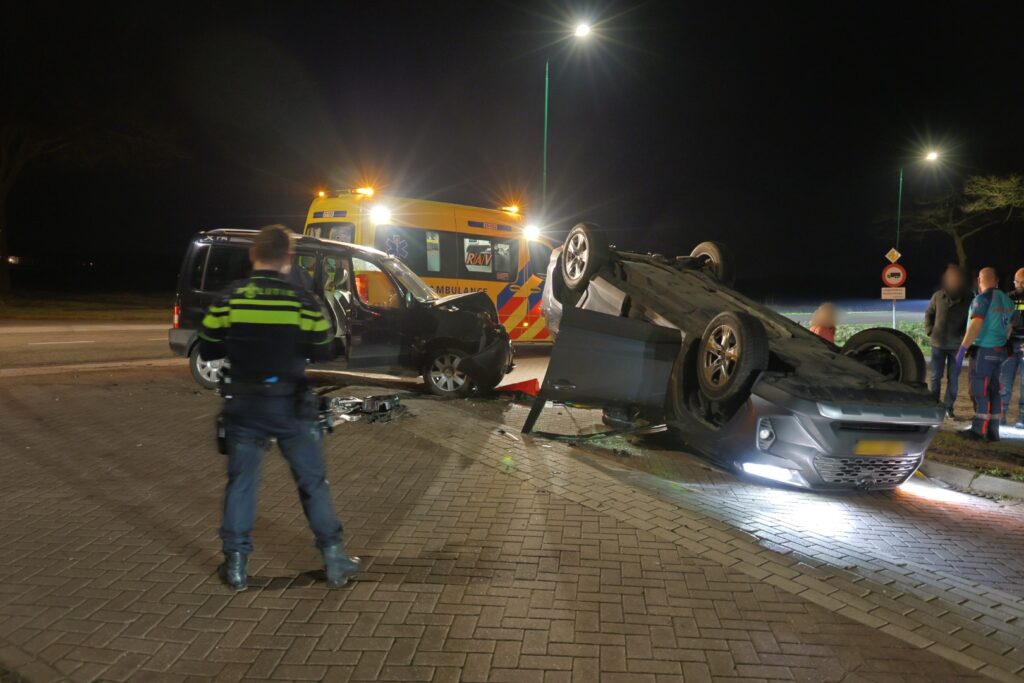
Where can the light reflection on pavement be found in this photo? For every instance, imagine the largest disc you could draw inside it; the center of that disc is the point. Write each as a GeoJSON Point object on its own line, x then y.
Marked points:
{"type": "Point", "coordinates": [964, 538]}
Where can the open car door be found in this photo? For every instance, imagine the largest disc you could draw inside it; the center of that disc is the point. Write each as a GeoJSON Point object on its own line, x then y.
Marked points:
{"type": "Point", "coordinates": [608, 361]}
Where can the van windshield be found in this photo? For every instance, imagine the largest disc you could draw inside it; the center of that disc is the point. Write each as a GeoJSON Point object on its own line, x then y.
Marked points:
{"type": "Point", "coordinates": [409, 280]}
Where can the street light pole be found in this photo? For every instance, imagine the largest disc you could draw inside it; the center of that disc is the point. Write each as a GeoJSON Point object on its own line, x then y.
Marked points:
{"type": "Point", "coordinates": [899, 210]}
{"type": "Point", "coordinates": [544, 176]}
{"type": "Point", "coordinates": [931, 157]}
{"type": "Point", "coordinates": [581, 31]}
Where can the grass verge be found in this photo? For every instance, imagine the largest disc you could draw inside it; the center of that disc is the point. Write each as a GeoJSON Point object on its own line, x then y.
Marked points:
{"type": "Point", "coordinates": [1004, 459]}
{"type": "Point", "coordinates": [115, 306]}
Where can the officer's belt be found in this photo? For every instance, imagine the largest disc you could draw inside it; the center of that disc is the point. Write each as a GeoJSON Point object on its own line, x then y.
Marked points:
{"type": "Point", "coordinates": [262, 388]}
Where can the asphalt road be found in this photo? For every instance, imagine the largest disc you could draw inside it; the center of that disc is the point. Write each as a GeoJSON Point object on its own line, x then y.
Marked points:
{"type": "Point", "coordinates": [24, 345]}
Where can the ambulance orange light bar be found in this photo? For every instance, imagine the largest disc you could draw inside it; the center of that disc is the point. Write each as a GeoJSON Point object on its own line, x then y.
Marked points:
{"type": "Point", "coordinates": [365, 191]}
{"type": "Point", "coordinates": [321, 194]}
{"type": "Point", "coordinates": [511, 208]}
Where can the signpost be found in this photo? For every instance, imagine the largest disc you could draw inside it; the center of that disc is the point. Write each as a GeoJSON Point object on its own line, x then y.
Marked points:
{"type": "Point", "coordinates": [894, 276]}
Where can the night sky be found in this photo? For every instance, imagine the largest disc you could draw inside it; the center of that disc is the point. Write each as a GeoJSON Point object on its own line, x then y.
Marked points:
{"type": "Point", "coordinates": [777, 128]}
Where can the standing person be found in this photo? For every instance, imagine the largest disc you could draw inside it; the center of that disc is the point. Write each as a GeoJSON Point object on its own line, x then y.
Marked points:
{"type": "Point", "coordinates": [985, 338]}
{"type": "Point", "coordinates": [945, 323]}
{"type": "Point", "coordinates": [1015, 352]}
{"type": "Point", "coordinates": [823, 322]}
{"type": "Point", "coordinates": [267, 327]}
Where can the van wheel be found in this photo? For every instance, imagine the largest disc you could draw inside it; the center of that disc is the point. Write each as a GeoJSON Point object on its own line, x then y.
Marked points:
{"type": "Point", "coordinates": [442, 375]}
{"type": "Point", "coordinates": [206, 373]}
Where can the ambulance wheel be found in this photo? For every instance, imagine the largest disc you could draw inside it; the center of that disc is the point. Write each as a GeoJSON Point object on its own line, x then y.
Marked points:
{"type": "Point", "coordinates": [585, 252]}
{"type": "Point", "coordinates": [442, 375]}
{"type": "Point", "coordinates": [206, 373]}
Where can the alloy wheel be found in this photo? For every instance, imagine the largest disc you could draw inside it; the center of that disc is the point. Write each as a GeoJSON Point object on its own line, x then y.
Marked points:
{"type": "Point", "coordinates": [721, 354]}
{"type": "Point", "coordinates": [576, 256]}
{"type": "Point", "coordinates": [445, 374]}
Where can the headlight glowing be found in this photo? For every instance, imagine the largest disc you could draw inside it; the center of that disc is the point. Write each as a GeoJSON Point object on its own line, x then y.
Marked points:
{"type": "Point", "coordinates": [531, 232]}
{"type": "Point", "coordinates": [380, 215]}
{"type": "Point", "coordinates": [774, 473]}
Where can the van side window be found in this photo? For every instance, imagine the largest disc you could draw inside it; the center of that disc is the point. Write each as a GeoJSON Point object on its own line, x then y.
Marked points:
{"type": "Point", "coordinates": [373, 286]}
{"type": "Point", "coordinates": [341, 232]}
{"type": "Point", "coordinates": [490, 258]}
{"type": "Point", "coordinates": [197, 266]}
{"type": "Point", "coordinates": [224, 266]}
{"type": "Point", "coordinates": [428, 253]}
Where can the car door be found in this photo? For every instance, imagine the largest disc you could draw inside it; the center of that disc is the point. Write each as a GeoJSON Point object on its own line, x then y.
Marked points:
{"type": "Point", "coordinates": [378, 311]}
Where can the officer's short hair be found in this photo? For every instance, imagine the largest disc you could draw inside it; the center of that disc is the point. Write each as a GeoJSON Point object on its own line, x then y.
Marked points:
{"type": "Point", "coordinates": [273, 244]}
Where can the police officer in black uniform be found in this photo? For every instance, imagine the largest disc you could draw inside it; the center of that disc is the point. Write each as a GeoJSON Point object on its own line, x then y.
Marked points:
{"type": "Point", "coordinates": [268, 328]}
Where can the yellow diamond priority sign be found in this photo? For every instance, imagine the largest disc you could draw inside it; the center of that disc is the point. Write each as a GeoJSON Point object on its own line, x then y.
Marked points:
{"type": "Point", "coordinates": [893, 255]}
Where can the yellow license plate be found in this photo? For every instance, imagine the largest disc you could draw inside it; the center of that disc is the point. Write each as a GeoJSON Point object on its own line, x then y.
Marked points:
{"type": "Point", "coordinates": [877, 448]}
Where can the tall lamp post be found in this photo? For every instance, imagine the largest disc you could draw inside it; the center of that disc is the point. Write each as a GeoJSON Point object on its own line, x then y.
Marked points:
{"type": "Point", "coordinates": [931, 157]}
{"type": "Point", "coordinates": [582, 30]}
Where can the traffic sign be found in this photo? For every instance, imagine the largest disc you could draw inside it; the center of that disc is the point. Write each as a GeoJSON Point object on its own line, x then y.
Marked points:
{"type": "Point", "coordinates": [894, 293]}
{"type": "Point", "coordinates": [893, 255]}
{"type": "Point", "coordinates": [894, 275]}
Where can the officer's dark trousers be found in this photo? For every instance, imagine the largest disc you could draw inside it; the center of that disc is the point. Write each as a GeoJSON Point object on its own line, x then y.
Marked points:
{"type": "Point", "coordinates": [250, 422]}
{"type": "Point", "coordinates": [985, 368]}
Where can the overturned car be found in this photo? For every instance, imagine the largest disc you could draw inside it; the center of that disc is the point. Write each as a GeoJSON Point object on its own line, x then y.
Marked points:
{"type": "Point", "coordinates": [666, 340]}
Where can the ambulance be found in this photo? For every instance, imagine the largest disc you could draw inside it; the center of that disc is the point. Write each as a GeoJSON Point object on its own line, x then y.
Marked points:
{"type": "Point", "coordinates": [453, 248]}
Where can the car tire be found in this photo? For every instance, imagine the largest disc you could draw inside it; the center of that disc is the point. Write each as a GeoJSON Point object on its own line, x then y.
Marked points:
{"type": "Point", "coordinates": [717, 260]}
{"type": "Point", "coordinates": [205, 373]}
{"type": "Point", "coordinates": [733, 351]}
{"type": "Point", "coordinates": [585, 252]}
{"type": "Point", "coordinates": [442, 376]}
{"type": "Point", "coordinates": [888, 352]}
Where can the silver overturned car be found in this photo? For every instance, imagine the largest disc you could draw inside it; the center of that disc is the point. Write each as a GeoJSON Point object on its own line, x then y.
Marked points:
{"type": "Point", "coordinates": [667, 340]}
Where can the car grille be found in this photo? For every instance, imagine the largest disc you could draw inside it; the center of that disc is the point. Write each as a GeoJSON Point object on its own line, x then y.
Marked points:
{"type": "Point", "coordinates": [868, 472]}
{"type": "Point", "coordinates": [879, 427]}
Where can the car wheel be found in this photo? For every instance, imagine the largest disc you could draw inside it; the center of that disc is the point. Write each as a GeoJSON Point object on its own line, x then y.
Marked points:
{"type": "Point", "coordinates": [585, 252]}
{"type": "Point", "coordinates": [717, 260]}
{"type": "Point", "coordinates": [732, 352]}
{"type": "Point", "coordinates": [442, 375]}
{"type": "Point", "coordinates": [888, 352]}
{"type": "Point", "coordinates": [206, 373]}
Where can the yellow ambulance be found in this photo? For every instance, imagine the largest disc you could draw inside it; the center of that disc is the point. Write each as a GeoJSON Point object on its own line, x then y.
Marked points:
{"type": "Point", "coordinates": [454, 248]}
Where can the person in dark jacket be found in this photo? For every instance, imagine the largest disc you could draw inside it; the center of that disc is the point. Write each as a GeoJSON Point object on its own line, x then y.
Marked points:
{"type": "Point", "coordinates": [1015, 359]}
{"type": "Point", "coordinates": [945, 322]}
{"type": "Point", "coordinates": [268, 327]}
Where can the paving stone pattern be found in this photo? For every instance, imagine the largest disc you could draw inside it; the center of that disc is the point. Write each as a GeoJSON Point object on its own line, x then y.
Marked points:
{"type": "Point", "coordinates": [488, 559]}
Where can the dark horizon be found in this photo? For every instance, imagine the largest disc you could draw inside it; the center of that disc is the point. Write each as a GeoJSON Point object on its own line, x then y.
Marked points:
{"type": "Point", "coordinates": [777, 130]}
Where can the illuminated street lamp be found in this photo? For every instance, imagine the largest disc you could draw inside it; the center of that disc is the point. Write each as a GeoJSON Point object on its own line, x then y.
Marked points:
{"type": "Point", "coordinates": [931, 157]}
{"type": "Point", "coordinates": [581, 32]}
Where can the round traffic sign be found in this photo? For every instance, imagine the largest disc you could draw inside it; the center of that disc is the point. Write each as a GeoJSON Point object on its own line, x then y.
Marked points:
{"type": "Point", "coordinates": [894, 275]}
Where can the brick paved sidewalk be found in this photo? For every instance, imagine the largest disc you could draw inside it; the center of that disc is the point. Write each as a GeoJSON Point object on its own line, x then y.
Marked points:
{"type": "Point", "coordinates": [489, 559]}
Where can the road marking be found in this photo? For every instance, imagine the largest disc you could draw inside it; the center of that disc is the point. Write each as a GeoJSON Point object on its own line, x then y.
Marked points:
{"type": "Point", "coordinates": [59, 342]}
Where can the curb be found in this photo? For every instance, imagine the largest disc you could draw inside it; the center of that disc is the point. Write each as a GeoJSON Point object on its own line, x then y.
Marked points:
{"type": "Point", "coordinates": [975, 482]}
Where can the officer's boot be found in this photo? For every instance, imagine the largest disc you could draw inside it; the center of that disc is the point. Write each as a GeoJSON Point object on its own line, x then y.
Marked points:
{"type": "Point", "coordinates": [233, 571]}
{"type": "Point", "coordinates": [338, 566]}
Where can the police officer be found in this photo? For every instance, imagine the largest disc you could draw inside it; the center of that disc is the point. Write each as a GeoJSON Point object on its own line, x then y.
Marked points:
{"type": "Point", "coordinates": [1015, 360]}
{"type": "Point", "coordinates": [987, 329]}
{"type": "Point", "coordinates": [267, 328]}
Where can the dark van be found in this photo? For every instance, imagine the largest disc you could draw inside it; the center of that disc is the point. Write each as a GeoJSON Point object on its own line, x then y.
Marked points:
{"type": "Point", "coordinates": [385, 317]}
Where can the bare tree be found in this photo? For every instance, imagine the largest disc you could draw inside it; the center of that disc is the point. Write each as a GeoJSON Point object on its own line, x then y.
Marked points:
{"type": "Point", "coordinates": [984, 202]}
